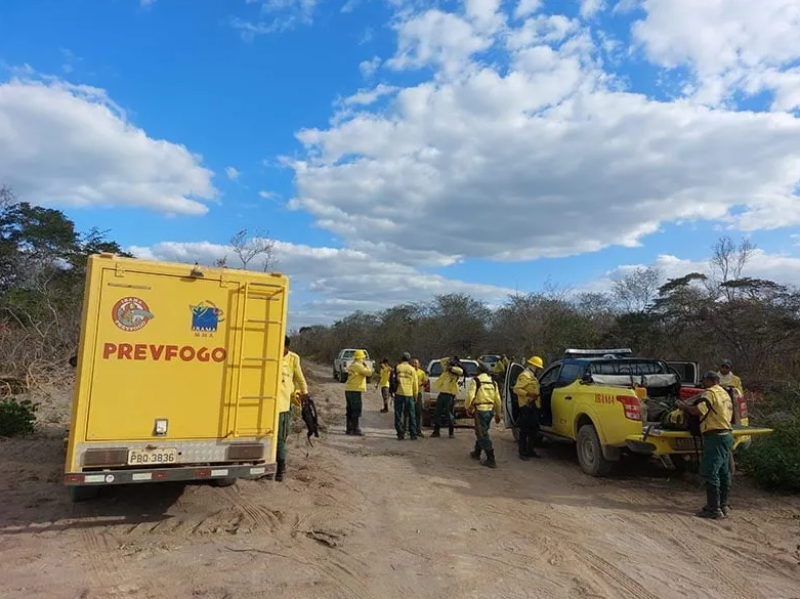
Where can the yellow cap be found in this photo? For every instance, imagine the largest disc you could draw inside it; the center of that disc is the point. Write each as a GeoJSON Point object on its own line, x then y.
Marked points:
{"type": "Point", "coordinates": [536, 361]}
{"type": "Point", "coordinates": [359, 354]}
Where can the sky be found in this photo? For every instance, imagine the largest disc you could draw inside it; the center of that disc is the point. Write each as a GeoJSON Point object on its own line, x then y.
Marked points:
{"type": "Point", "coordinates": [399, 149]}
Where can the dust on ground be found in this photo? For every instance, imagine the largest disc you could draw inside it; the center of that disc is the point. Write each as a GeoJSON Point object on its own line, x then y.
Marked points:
{"type": "Point", "coordinates": [378, 518]}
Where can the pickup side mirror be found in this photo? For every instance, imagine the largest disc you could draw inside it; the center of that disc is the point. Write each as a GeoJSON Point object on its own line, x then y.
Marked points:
{"type": "Point", "coordinates": [586, 379]}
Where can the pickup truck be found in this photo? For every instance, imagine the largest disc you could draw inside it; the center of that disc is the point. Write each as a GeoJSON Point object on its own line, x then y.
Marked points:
{"type": "Point", "coordinates": [429, 392]}
{"type": "Point", "coordinates": [343, 361]}
{"type": "Point", "coordinates": [592, 402]}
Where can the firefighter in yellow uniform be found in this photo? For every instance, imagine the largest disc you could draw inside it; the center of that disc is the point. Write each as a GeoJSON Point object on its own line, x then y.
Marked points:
{"type": "Point", "coordinates": [404, 398]}
{"type": "Point", "coordinates": [357, 374]}
{"type": "Point", "coordinates": [483, 404]}
{"type": "Point", "coordinates": [293, 387]}
{"type": "Point", "coordinates": [728, 379]}
{"type": "Point", "coordinates": [714, 408]}
{"type": "Point", "coordinates": [422, 378]}
{"type": "Point", "coordinates": [447, 386]}
{"type": "Point", "coordinates": [386, 374]}
{"type": "Point", "coordinates": [526, 389]}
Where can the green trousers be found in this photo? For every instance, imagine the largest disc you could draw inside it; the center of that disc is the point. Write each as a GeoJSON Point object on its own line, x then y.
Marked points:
{"type": "Point", "coordinates": [284, 426]}
{"type": "Point", "coordinates": [417, 413]}
{"type": "Point", "coordinates": [483, 420]}
{"type": "Point", "coordinates": [715, 462]}
{"type": "Point", "coordinates": [445, 405]}
{"type": "Point", "coordinates": [353, 409]}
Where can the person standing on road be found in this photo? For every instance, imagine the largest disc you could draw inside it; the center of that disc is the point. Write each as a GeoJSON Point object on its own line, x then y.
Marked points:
{"type": "Point", "coordinates": [527, 390]}
{"type": "Point", "coordinates": [483, 403]}
{"type": "Point", "coordinates": [422, 378]}
{"type": "Point", "coordinates": [407, 390]}
{"type": "Point", "coordinates": [292, 383]}
{"type": "Point", "coordinates": [357, 374]}
{"type": "Point", "coordinates": [714, 408]}
{"type": "Point", "coordinates": [386, 374]}
{"type": "Point", "coordinates": [447, 386]}
{"type": "Point", "coordinates": [728, 379]}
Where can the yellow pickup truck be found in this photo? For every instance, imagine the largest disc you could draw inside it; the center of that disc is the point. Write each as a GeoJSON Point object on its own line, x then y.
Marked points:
{"type": "Point", "coordinates": [178, 370]}
{"type": "Point", "coordinates": [591, 400]}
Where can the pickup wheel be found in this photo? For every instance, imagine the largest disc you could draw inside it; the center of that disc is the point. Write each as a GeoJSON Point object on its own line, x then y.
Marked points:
{"type": "Point", "coordinates": [335, 375]}
{"type": "Point", "coordinates": [590, 452]}
{"type": "Point", "coordinates": [223, 482]}
{"type": "Point", "coordinates": [427, 419]}
{"type": "Point", "coordinates": [342, 377]}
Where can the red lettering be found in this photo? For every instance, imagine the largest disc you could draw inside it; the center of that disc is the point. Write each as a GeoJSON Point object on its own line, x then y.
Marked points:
{"type": "Point", "coordinates": [156, 351]}
{"type": "Point", "coordinates": [172, 351]}
{"type": "Point", "coordinates": [187, 353]}
{"type": "Point", "coordinates": [139, 351]}
{"type": "Point", "coordinates": [203, 355]}
{"type": "Point", "coordinates": [108, 350]}
{"type": "Point", "coordinates": [125, 350]}
{"type": "Point", "coordinates": [219, 354]}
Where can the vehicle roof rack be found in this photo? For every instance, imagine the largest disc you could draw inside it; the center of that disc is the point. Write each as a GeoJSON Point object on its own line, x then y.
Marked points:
{"type": "Point", "coordinates": [598, 353]}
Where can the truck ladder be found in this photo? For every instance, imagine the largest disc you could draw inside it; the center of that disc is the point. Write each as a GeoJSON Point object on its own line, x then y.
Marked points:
{"type": "Point", "coordinates": [265, 292]}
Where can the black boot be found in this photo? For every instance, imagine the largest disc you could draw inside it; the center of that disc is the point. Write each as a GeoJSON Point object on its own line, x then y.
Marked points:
{"type": "Point", "coordinates": [356, 430]}
{"type": "Point", "coordinates": [451, 432]}
{"type": "Point", "coordinates": [475, 454]}
{"type": "Point", "coordinates": [531, 451]}
{"type": "Point", "coordinates": [280, 471]}
{"type": "Point", "coordinates": [349, 430]}
{"type": "Point", "coordinates": [490, 463]}
{"type": "Point", "coordinates": [523, 447]}
{"type": "Point", "coordinates": [435, 432]}
{"type": "Point", "coordinates": [711, 509]}
{"type": "Point", "coordinates": [723, 500]}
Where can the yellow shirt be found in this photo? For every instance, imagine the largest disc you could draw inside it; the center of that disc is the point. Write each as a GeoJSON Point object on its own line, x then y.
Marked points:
{"type": "Point", "coordinates": [716, 409]}
{"type": "Point", "coordinates": [386, 373]}
{"type": "Point", "coordinates": [292, 380]}
{"type": "Point", "coordinates": [448, 381]}
{"type": "Point", "coordinates": [498, 367]}
{"type": "Point", "coordinates": [357, 375]}
{"type": "Point", "coordinates": [731, 381]}
{"type": "Point", "coordinates": [407, 380]}
{"type": "Point", "coordinates": [421, 378]}
{"type": "Point", "coordinates": [485, 398]}
{"type": "Point", "coordinates": [526, 388]}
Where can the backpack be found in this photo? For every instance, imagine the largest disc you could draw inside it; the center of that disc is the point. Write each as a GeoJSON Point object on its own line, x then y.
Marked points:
{"type": "Point", "coordinates": [309, 414]}
{"type": "Point", "coordinates": [393, 382]}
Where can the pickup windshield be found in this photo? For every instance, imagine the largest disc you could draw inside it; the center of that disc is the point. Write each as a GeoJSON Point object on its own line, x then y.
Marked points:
{"type": "Point", "coordinates": [348, 353]}
{"type": "Point", "coordinates": [628, 367]}
{"type": "Point", "coordinates": [471, 368]}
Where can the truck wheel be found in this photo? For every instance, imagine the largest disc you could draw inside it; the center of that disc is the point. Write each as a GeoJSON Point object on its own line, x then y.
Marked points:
{"type": "Point", "coordinates": [78, 494]}
{"type": "Point", "coordinates": [590, 452]}
{"type": "Point", "coordinates": [223, 482]}
{"type": "Point", "coordinates": [342, 377]}
{"type": "Point", "coordinates": [335, 376]}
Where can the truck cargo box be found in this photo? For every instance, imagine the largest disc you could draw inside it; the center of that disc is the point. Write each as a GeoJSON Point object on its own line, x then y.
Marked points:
{"type": "Point", "coordinates": [178, 375]}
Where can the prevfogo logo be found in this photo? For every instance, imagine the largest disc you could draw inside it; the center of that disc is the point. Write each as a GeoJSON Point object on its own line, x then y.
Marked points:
{"type": "Point", "coordinates": [162, 353]}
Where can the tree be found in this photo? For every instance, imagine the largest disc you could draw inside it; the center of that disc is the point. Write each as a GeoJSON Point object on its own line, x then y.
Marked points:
{"type": "Point", "coordinates": [257, 248]}
{"type": "Point", "coordinates": [636, 291]}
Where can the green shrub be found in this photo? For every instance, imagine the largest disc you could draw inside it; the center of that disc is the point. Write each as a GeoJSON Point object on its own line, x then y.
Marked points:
{"type": "Point", "coordinates": [17, 417]}
{"type": "Point", "coordinates": [774, 460]}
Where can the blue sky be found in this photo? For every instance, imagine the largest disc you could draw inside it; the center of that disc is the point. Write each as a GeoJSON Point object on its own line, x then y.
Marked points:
{"type": "Point", "coordinates": [400, 149]}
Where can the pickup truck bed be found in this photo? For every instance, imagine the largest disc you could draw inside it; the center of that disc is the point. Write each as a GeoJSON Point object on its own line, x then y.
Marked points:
{"type": "Point", "coordinates": [656, 440]}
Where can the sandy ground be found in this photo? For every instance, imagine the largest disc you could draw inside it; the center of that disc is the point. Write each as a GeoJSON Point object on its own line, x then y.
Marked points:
{"type": "Point", "coordinates": [377, 518]}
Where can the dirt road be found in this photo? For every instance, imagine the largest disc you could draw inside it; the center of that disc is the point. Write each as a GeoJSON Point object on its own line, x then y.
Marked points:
{"type": "Point", "coordinates": [377, 518]}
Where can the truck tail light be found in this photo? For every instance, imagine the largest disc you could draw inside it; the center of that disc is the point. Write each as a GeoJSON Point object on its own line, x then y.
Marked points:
{"type": "Point", "coordinates": [632, 406]}
{"type": "Point", "coordinates": [742, 408]}
{"type": "Point", "coordinates": [73, 478]}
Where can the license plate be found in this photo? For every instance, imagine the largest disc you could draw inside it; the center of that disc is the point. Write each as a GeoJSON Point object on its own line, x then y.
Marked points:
{"type": "Point", "coordinates": [152, 457]}
{"type": "Point", "coordinates": [686, 444]}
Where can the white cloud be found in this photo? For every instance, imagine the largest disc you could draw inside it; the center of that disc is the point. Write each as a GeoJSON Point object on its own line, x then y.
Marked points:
{"type": "Point", "coordinates": [335, 281]}
{"type": "Point", "coordinates": [537, 153]}
{"type": "Point", "coordinates": [365, 97]}
{"type": "Point", "coordinates": [730, 45]}
{"type": "Point", "coordinates": [267, 195]}
{"type": "Point", "coordinates": [781, 268]}
{"type": "Point", "coordinates": [368, 67]}
{"type": "Point", "coordinates": [589, 8]}
{"type": "Point", "coordinates": [70, 145]}
{"type": "Point", "coordinates": [276, 16]}
{"type": "Point", "coordinates": [233, 173]}
{"type": "Point", "coordinates": [525, 8]}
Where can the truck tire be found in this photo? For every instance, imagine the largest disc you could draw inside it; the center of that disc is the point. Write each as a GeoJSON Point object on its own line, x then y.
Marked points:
{"type": "Point", "coordinates": [336, 375]}
{"type": "Point", "coordinates": [590, 452]}
{"type": "Point", "coordinates": [342, 377]}
{"type": "Point", "coordinates": [78, 494]}
{"type": "Point", "coordinates": [223, 482]}
{"type": "Point", "coordinates": [427, 419]}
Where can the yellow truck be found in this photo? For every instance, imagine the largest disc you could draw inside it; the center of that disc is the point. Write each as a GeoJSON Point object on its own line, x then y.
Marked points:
{"type": "Point", "coordinates": [178, 373]}
{"type": "Point", "coordinates": [590, 399]}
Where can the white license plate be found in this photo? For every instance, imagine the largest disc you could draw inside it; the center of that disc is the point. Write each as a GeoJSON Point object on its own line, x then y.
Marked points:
{"type": "Point", "coordinates": [152, 457]}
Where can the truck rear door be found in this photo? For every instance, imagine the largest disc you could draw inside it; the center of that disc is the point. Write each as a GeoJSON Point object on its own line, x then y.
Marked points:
{"type": "Point", "coordinates": [510, 404]}
{"type": "Point", "coordinates": [196, 351]}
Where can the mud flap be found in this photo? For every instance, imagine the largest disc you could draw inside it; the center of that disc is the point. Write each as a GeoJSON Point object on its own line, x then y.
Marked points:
{"type": "Point", "coordinates": [611, 453]}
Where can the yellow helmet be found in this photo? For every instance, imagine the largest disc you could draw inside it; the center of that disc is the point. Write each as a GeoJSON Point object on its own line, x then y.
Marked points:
{"type": "Point", "coordinates": [359, 354]}
{"type": "Point", "coordinates": [536, 361]}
